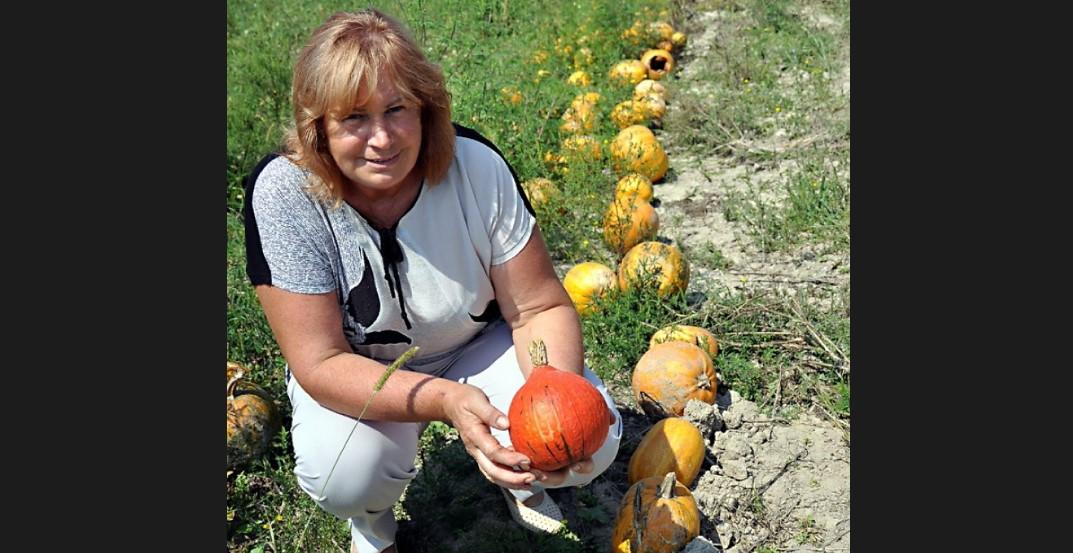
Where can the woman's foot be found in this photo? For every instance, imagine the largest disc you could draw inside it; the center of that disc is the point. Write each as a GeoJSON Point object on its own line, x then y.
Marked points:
{"type": "Point", "coordinates": [538, 513]}
{"type": "Point", "coordinates": [534, 500]}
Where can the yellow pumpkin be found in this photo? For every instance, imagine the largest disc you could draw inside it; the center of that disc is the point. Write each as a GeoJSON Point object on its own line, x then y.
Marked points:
{"type": "Point", "coordinates": [252, 418]}
{"type": "Point", "coordinates": [634, 185]}
{"type": "Point", "coordinates": [685, 333]}
{"type": "Point", "coordinates": [582, 58]}
{"type": "Point", "coordinates": [657, 515]}
{"type": "Point", "coordinates": [654, 264]}
{"type": "Point", "coordinates": [652, 106]}
{"type": "Point", "coordinates": [582, 147]}
{"type": "Point", "coordinates": [539, 191]}
{"type": "Point", "coordinates": [636, 150]}
{"type": "Point", "coordinates": [672, 445]}
{"type": "Point", "coordinates": [679, 39]}
{"type": "Point", "coordinates": [579, 118]}
{"type": "Point", "coordinates": [649, 87]}
{"type": "Point", "coordinates": [633, 35]}
{"type": "Point", "coordinates": [591, 98]}
{"type": "Point", "coordinates": [579, 78]}
{"type": "Point", "coordinates": [660, 30]}
{"type": "Point", "coordinates": [627, 72]}
{"type": "Point", "coordinates": [628, 113]}
{"type": "Point", "coordinates": [670, 374]}
{"type": "Point", "coordinates": [512, 95]}
{"type": "Point", "coordinates": [665, 45]}
{"type": "Point", "coordinates": [587, 281]}
{"type": "Point", "coordinates": [658, 63]}
{"type": "Point", "coordinates": [628, 222]}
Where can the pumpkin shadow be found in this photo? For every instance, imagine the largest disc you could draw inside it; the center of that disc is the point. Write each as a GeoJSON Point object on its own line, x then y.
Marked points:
{"type": "Point", "coordinates": [450, 506]}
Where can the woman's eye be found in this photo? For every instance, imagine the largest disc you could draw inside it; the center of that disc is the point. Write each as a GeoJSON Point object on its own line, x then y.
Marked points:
{"type": "Point", "coordinates": [355, 117]}
{"type": "Point", "coordinates": [396, 109]}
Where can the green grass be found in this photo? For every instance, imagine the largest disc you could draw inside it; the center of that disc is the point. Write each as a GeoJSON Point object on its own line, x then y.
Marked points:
{"type": "Point", "coordinates": [483, 47]}
{"type": "Point", "coordinates": [765, 94]}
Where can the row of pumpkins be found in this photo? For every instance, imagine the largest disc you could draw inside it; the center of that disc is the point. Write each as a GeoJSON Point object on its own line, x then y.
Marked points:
{"type": "Point", "coordinates": [658, 512]}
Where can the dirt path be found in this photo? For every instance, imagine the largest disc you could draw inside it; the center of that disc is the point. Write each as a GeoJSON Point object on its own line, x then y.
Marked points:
{"type": "Point", "coordinates": [768, 483]}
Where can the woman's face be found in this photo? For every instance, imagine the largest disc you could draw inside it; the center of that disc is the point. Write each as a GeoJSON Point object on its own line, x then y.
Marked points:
{"type": "Point", "coordinates": [376, 145]}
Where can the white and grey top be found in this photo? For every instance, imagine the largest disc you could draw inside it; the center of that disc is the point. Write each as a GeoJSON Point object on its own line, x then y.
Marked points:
{"type": "Point", "coordinates": [424, 282]}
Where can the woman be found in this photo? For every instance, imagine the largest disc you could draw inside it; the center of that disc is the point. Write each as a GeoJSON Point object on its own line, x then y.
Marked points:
{"type": "Point", "coordinates": [384, 226]}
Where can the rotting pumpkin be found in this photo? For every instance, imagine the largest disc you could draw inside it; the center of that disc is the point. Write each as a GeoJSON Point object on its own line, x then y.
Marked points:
{"type": "Point", "coordinates": [252, 418]}
{"type": "Point", "coordinates": [658, 63]}
{"type": "Point", "coordinates": [557, 417]}
{"type": "Point", "coordinates": [657, 515]}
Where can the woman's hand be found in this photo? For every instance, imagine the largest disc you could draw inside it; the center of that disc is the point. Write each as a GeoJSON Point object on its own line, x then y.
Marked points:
{"type": "Point", "coordinates": [469, 412]}
{"type": "Point", "coordinates": [555, 478]}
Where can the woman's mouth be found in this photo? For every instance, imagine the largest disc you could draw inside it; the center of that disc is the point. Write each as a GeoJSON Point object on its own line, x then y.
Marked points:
{"type": "Point", "coordinates": [382, 161]}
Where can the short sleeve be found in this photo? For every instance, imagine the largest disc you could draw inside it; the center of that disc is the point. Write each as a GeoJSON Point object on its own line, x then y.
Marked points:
{"type": "Point", "coordinates": [288, 242]}
{"type": "Point", "coordinates": [512, 223]}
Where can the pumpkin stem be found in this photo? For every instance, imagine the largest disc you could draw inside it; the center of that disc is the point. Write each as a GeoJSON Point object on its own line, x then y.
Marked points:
{"type": "Point", "coordinates": [538, 353]}
{"type": "Point", "coordinates": [638, 520]}
{"type": "Point", "coordinates": [666, 489]}
{"type": "Point", "coordinates": [231, 384]}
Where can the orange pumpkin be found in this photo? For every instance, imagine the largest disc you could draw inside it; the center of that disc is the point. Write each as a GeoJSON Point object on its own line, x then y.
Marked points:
{"type": "Point", "coordinates": [634, 185]}
{"type": "Point", "coordinates": [628, 222]}
{"type": "Point", "coordinates": [557, 417]}
{"type": "Point", "coordinates": [586, 281]}
{"type": "Point", "coordinates": [658, 63]}
{"type": "Point", "coordinates": [252, 418]}
{"type": "Point", "coordinates": [636, 150]}
{"type": "Point", "coordinates": [627, 72]}
{"type": "Point", "coordinates": [670, 374]}
{"type": "Point", "coordinates": [657, 515]}
{"type": "Point", "coordinates": [672, 445]}
{"type": "Point", "coordinates": [654, 264]}
{"type": "Point", "coordinates": [685, 333]}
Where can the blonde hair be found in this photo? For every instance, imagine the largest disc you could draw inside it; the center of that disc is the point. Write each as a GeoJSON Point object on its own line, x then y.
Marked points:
{"type": "Point", "coordinates": [338, 68]}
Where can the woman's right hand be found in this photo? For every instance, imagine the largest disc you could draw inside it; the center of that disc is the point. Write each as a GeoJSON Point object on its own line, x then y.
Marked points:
{"type": "Point", "coordinates": [468, 411]}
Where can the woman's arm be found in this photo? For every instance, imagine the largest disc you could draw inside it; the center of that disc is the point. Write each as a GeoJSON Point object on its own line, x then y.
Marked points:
{"type": "Point", "coordinates": [308, 329]}
{"type": "Point", "coordinates": [535, 305]}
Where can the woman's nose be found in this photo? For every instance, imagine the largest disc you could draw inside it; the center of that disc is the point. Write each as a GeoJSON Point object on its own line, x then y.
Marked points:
{"type": "Point", "coordinates": [380, 134]}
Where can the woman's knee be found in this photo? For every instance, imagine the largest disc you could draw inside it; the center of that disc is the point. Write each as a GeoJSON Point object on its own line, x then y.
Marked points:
{"type": "Point", "coordinates": [370, 475]}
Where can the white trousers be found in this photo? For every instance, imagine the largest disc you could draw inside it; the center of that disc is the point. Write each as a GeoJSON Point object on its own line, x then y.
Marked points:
{"type": "Point", "coordinates": [378, 462]}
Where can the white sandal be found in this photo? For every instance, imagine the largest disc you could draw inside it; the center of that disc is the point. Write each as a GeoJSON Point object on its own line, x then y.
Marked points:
{"type": "Point", "coordinates": [545, 517]}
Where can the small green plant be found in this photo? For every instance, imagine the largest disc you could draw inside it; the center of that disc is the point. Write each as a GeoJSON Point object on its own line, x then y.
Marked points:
{"type": "Point", "coordinates": [394, 366]}
{"type": "Point", "coordinates": [807, 532]}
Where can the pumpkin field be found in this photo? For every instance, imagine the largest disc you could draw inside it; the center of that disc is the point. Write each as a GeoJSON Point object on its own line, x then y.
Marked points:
{"type": "Point", "coordinates": [688, 162]}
